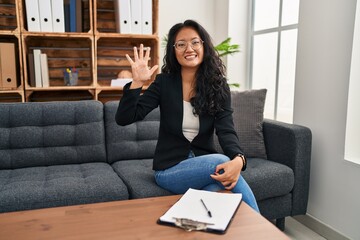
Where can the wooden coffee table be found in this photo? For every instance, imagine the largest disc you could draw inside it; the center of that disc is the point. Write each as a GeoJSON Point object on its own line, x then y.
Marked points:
{"type": "Point", "coordinates": [130, 219]}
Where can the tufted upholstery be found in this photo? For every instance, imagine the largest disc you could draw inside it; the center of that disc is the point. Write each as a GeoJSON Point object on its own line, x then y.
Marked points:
{"type": "Point", "coordinates": [60, 185]}
{"type": "Point", "coordinates": [53, 154]}
{"type": "Point", "coordinates": [138, 176]}
{"type": "Point", "coordinates": [135, 141]}
{"type": "Point", "coordinates": [45, 134]}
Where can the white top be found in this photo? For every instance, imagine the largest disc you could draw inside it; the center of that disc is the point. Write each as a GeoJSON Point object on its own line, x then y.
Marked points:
{"type": "Point", "coordinates": [191, 122]}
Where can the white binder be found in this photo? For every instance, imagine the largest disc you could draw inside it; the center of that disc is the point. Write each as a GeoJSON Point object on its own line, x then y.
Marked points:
{"type": "Point", "coordinates": [146, 27]}
{"type": "Point", "coordinates": [123, 16]}
{"type": "Point", "coordinates": [58, 17]}
{"type": "Point", "coordinates": [32, 15]}
{"type": "Point", "coordinates": [136, 16]}
{"type": "Point", "coordinates": [45, 16]}
{"type": "Point", "coordinates": [44, 70]}
{"type": "Point", "coordinates": [37, 68]}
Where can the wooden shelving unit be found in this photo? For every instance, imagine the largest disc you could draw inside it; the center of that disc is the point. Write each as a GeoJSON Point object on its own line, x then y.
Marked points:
{"type": "Point", "coordinates": [111, 47]}
{"type": "Point", "coordinates": [98, 53]}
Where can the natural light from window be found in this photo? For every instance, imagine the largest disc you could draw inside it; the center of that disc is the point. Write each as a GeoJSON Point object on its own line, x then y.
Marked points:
{"type": "Point", "coordinates": [273, 55]}
{"type": "Point", "coordinates": [352, 139]}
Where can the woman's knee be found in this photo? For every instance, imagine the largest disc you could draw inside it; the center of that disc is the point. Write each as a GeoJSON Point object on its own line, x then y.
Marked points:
{"type": "Point", "coordinates": [216, 158]}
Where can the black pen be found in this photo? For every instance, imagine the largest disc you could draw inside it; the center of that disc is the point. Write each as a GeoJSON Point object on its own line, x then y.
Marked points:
{"type": "Point", "coordinates": [208, 211]}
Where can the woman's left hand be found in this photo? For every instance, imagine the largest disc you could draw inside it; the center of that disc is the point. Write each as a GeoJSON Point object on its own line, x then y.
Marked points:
{"type": "Point", "coordinates": [231, 173]}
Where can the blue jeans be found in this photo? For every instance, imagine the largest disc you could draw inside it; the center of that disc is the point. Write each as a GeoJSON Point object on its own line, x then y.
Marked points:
{"type": "Point", "coordinates": [194, 172]}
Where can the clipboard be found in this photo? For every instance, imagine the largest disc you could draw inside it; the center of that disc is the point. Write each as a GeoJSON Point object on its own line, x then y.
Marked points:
{"type": "Point", "coordinates": [190, 214]}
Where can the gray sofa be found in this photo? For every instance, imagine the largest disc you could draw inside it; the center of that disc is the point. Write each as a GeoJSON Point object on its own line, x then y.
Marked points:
{"type": "Point", "coordinates": [66, 153]}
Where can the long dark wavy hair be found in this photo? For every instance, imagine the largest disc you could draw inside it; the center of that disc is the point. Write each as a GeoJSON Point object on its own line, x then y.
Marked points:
{"type": "Point", "coordinates": [211, 84]}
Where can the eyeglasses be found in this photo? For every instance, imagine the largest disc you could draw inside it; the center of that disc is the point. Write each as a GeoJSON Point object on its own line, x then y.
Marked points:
{"type": "Point", "coordinates": [195, 44]}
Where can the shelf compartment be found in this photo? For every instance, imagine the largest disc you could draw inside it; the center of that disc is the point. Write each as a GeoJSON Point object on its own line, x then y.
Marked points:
{"type": "Point", "coordinates": [105, 94]}
{"type": "Point", "coordinates": [110, 56]}
{"type": "Point", "coordinates": [61, 95]}
{"type": "Point", "coordinates": [62, 53]}
{"type": "Point", "coordinates": [108, 95]}
{"type": "Point", "coordinates": [8, 15]}
{"type": "Point", "coordinates": [104, 16]}
{"type": "Point", "coordinates": [15, 39]}
{"type": "Point", "coordinates": [84, 16]}
{"type": "Point", "coordinates": [11, 96]}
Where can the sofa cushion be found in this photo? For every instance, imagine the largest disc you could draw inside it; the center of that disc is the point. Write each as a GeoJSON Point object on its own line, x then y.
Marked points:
{"type": "Point", "coordinates": [268, 179]}
{"type": "Point", "coordinates": [135, 141]}
{"type": "Point", "coordinates": [248, 119]}
{"type": "Point", "coordinates": [61, 185]}
{"type": "Point", "coordinates": [43, 134]}
{"type": "Point", "coordinates": [139, 178]}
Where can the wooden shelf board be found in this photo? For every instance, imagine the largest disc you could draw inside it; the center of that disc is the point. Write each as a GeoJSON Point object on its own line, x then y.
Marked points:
{"type": "Point", "coordinates": [20, 91]}
{"type": "Point", "coordinates": [70, 88]}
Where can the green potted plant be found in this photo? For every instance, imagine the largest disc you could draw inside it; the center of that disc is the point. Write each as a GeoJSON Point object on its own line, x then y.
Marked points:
{"type": "Point", "coordinates": [225, 48]}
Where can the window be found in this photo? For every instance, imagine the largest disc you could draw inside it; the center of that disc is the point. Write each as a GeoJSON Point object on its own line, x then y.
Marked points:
{"type": "Point", "coordinates": [352, 139]}
{"type": "Point", "coordinates": [273, 54]}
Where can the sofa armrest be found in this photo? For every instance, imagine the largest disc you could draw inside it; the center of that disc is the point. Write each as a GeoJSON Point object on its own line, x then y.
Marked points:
{"type": "Point", "coordinates": [290, 144]}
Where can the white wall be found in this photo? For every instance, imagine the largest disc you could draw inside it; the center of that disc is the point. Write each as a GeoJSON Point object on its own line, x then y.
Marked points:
{"type": "Point", "coordinates": [214, 16]}
{"type": "Point", "coordinates": [238, 26]}
{"type": "Point", "coordinates": [321, 90]}
{"type": "Point", "coordinates": [172, 12]}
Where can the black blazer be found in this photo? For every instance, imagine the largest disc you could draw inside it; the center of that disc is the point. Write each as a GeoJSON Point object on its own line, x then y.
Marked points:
{"type": "Point", "coordinates": [172, 146]}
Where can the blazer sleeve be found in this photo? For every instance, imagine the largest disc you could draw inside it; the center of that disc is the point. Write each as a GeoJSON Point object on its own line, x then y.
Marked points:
{"type": "Point", "coordinates": [133, 106]}
{"type": "Point", "coordinates": [225, 130]}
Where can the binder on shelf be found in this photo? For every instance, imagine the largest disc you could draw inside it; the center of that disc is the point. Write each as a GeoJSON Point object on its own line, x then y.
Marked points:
{"type": "Point", "coordinates": [37, 67]}
{"type": "Point", "coordinates": [44, 70]}
{"type": "Point", "coordinates": [0, 71]}
{"type": "Point", "coordinates": [58, 16]}
{"type": "Point", "coordinates": [123, 16]}
{"type": "Point", "coordinates": [8, 65]}
{"type": "Point", "coordinates": [46, 24]}
{"type": "Point", "coordinates": [31, 68]}
{"type": "Point", "coordinates": [72, 15]}
{"type": "Point", "coordinates": [146, 21]}
{"type": "Point", "coordinates": [135, 6]}
{"type": "Point", "coordinates": [79, 16]}
{"type": "Point", "coordinates": [32, 15]}
{"type": "Point", "coordinates": [191, 212]}
{"type": "Point", "coordinates": [67, 15]}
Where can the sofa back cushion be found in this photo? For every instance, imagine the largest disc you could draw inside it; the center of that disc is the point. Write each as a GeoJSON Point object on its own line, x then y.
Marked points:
{"type": "Point", "coordinates": [248, 119]}
{"type": "Point", "coordinates": [135, 141]}
{"type": "Point", "coordinates": [51, 133]}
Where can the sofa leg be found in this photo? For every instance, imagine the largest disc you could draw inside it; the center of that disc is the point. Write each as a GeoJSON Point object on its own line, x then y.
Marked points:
{"type": "Point", "coordinates": [280, 223]}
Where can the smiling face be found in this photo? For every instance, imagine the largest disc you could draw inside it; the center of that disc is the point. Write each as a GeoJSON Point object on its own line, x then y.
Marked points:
{"type": "Point", "coordinates": [188, 57]}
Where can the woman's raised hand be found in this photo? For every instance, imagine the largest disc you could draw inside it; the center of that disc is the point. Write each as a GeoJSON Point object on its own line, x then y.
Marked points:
{"type": "Point", "coordinates": [141, 72]}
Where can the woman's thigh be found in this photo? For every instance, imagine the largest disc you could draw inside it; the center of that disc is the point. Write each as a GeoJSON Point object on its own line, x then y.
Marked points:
{"type": "Point", "coordinates": [193, 172]}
